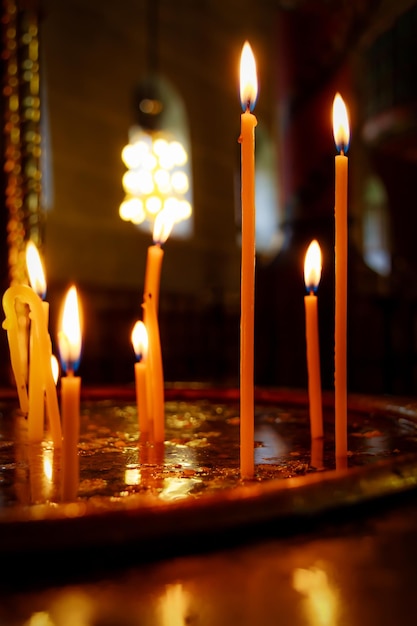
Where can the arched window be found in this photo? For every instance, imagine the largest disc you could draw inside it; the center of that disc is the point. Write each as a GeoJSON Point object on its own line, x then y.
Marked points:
{"type": "Point", "coordinates": [158, 160]}
{"type": "Point", "coordinates": [269, 236]}
{"type": "Point", "coordinates": [376, 227]}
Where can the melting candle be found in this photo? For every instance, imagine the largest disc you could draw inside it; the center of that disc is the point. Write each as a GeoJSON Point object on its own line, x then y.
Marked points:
{"type": "Point", "coordinates": [164, 222]}
{"type": "Point", "coordinates": [162, 228]}
{"type": "Point", "coordinates": [25, 294]}
{"type": "Point", "coordinates": [312, 273]}
{"type": "Point", "coordinates": [248, 95]}
{"type": "Point", "coordinates": [140, 346]}
{"type": "Point", "coordinates": [69, 343]}
{"type": "Point", "coordinates": [341, 136]}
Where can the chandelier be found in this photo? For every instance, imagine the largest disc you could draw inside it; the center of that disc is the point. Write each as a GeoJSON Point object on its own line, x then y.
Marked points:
{"type": "Point", "coordinates": [157, 176]}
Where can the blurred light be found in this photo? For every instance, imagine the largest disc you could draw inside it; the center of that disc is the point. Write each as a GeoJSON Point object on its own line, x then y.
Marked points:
{"type": "Point", "coordinates": [157, 177]}
{"type": "Point", "coordinates": [179, 182]}
{"type": "Point", "coordinates": [131, 210]}
{"type": "Point", "coordinates": [322, 598]}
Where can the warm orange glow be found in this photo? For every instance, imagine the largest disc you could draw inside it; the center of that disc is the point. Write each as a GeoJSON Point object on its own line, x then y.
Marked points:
{"type": "Point", "coordinates": [140, 340]}
{"type": "Point", "coordinates": [312, 266]}
{"type": "Point", "coordinates": [164, 221]}
{"type": "Point", "coordinates": [248, 78]}
{"type": "Point", "coordinates": [69, 335]}
{"type": "Point", "coordinates": [35, 270]}
{"type": "Point", "coordinates": [48, 463]}
{"type": "Point", "coordinates": [341, 131]}
{"type": "Point", "coordinates": [54, 368]}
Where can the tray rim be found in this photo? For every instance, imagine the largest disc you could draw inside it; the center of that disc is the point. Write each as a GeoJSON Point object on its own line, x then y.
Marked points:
{"type": "Point", "coordinates": [79, 526]}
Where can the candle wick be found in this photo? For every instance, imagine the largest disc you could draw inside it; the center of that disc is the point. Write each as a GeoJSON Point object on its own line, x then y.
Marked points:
{"type": "Point", "coordinates": [248, 106]}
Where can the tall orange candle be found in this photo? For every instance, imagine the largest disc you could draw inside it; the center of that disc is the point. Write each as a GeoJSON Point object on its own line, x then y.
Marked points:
{"type": "Point", "coordinates": [69, 342]}
{"type": "Point", "coordinates": [156, 371]}
{"type": "Point", "coordinates": [312, 273]}
{"type": "Point", "coordinates": [341, 134]}
{"type": "Point", "coordinates": [161, 231]}
{"type": "Point", "coordinates": [248, 94]}
{"type": "Point", "coordinates": [37, 281]}
{"type": "Point", "coordinates": [140, 346]}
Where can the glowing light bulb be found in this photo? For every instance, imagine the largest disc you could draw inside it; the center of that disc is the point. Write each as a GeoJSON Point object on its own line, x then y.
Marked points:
{"type": "Point", "coordinates": [153, 204]}
{"type": "Point", "coordinates": [178, 153]}
{"type": "Point", "coordinates": [160, 146]}
{"type": "Point", "coordinates": [131, 182]}
{"type": "Point", "coordinates": [145, 182]}
{"type": "Point", "coordinates": [162, 180]}
{"type": "Point", "coordinates": [132, 210]}
{"type": "Point", "coordinates": [179, 182]}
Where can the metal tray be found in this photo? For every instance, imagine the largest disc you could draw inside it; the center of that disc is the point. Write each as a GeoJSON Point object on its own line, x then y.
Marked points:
{"type": "Point", "coordinates": [136, 494]}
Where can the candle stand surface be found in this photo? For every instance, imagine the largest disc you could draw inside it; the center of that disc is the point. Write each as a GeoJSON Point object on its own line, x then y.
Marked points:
{"type": "Point", "coordinates": [133, 492]}
{"type": "Point", "coordinates": [170, 534]}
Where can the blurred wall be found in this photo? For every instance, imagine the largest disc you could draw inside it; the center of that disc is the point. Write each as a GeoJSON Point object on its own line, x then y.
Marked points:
{"type": "Point", "coordinates": [94, 52]}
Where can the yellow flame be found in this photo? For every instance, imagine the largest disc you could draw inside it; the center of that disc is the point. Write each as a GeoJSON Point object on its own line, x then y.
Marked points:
{"type": "Point", "coordinates": [248, 78]}
{"type": "Point", "coordinates": [164, 221]}
{"type": "Point", "coordinates": [139, 339]}
{"type": "Point", "coordinates": [341, 131]}
{"type": "Point", "coordinates": [69, 337]}
{"type": "Point", "coordinates": [312, 265]}
{"type": "Point", "coordinates": [54, 368]}
{"type": "Point", "coordinates": [35, 269]}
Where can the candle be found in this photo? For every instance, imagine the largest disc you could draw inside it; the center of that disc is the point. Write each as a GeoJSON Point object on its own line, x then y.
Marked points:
{"type": "Point", "coordinates": [155, 370]}
{"type": "Point", "coordinates": [11, 326]}
{"type": "Point", "coordinates": [312, 273]}
{"type": "Point", "coordinates": [37, 281]}
{"type": "Point", "coordinates": [25, 294]}
{"type": "Point", "coordinates": [69, 342]}
{"type": "Point", "coordinates": [164, 222]}
{"type": "Point", "coordinates": [341, 136]}
{"type": "Point", "coordinates": [248, 94]}
{"type": "Point", "coordinates": [140, 346]}
{"type": "Point", "coordinates": [162, 228]}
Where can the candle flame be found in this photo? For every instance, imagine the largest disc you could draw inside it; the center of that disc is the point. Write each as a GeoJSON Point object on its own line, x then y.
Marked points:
{"type": "Point", "coordinates": [35, 270]}
{"type": "Point", "coordinates": [164, 221]}
{"type": "Point", "coordinates": [54, 368]}
{"type": "Point", "coordinates": [248, 78]}
{"type": "Point", "coordinates": [341, 131]}
{"type": "Point", "coordinates": [312, 266]}
{"type": "Point", "coordinates": [140, 340]}
{"type": "Point", "coordinates": [69, 336]}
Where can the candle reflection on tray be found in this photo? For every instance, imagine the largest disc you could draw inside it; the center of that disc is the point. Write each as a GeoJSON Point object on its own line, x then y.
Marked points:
{"type": "Point", "coordinates": [193, 482]}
